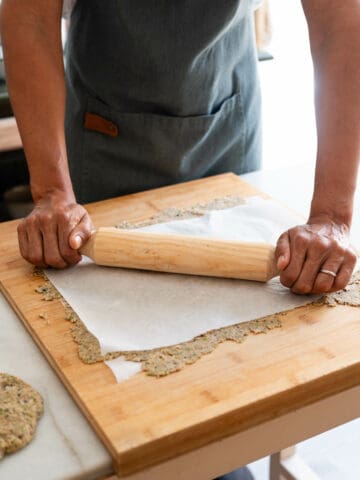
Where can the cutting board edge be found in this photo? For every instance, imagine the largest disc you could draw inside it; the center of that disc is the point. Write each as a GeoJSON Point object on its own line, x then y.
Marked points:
{"type": "Point", "coordinates": [127, 463]}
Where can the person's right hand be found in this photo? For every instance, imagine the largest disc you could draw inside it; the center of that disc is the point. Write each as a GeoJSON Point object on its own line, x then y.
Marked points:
{"type": "Point", "coordinates": [54, 231]}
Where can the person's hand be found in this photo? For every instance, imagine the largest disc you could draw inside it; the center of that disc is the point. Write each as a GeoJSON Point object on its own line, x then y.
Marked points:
{"type": "Point", "coordinates": [54, 231]}
{"type": "Point", "coordinates": [307, 253]}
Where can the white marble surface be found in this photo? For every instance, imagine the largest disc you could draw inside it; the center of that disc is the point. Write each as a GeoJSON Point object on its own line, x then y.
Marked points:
{"type": "Point", "coordinates": [65, 447]}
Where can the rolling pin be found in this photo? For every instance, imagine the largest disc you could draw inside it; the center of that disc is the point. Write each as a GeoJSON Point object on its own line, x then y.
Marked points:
{"type": "Point", "coordinates": [190, 255]}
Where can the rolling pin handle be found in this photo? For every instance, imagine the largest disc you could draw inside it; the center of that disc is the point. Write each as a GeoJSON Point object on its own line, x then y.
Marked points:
{"type": "Point", "coordinates": [272, 270]}
{"type": "Point", "coordinates": [89, 247]}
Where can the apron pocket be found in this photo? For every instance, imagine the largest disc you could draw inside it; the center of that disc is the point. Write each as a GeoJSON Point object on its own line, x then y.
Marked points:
{"type": "Point", "coordinates": [152, 150]}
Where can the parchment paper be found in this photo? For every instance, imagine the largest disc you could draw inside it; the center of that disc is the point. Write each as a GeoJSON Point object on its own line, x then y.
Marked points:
{"type": "Point", "coordinates": [138, 310]}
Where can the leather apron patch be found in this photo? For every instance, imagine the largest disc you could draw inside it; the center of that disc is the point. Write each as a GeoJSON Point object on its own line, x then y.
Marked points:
{"type": "Point", "coordinates": [100, 124]}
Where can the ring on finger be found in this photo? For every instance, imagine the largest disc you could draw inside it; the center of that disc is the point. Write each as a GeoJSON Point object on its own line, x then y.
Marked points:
{"type": "Point", "coordinates": [328, 272]}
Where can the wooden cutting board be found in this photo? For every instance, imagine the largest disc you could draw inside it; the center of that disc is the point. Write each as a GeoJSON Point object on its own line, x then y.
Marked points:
{"type": "Point", "coordinates": [145, 420]}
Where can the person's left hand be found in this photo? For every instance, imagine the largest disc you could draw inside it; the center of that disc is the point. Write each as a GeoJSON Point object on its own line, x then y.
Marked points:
{"type": "Point", "coordinates": [303, 251]}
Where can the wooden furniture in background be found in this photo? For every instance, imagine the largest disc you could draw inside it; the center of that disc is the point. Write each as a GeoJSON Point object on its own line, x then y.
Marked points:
{"type": "Point", "coordinates": [263, 29]}
{"type": "Point", "coordinates": [9, 135]}
{"type": "Point", "coordinates": [287, 465]}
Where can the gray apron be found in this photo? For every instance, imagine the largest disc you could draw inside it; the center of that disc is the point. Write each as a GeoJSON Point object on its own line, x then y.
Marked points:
{"type": "Point", "coordinates": [160, 92]}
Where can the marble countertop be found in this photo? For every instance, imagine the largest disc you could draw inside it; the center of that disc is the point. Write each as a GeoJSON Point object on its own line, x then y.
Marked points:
{"type": "Point", "coordinates": [65, 446]}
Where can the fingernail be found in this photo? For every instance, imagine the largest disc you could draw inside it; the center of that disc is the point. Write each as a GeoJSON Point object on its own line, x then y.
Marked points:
{"type": "Point", "coordinates": [78, 241]}
{"type": "Point", "coordinates": [280, 260]}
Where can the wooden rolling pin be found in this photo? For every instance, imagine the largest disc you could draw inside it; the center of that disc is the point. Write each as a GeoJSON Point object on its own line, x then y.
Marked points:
{"type": "Point", "coordinates": [191, 255]}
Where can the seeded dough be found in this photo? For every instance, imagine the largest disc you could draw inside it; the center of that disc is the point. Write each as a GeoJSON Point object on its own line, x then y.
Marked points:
{"type": "Point", "coordinates": [349, 296]}
{"type": "Point", "coordinates": [20, 410]}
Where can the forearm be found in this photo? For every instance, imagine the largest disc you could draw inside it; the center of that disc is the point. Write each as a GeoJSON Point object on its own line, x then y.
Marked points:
{"type": "Point", "coordinates": [337, 100]}
{"type": "Point", "coordinates": [35, 76]}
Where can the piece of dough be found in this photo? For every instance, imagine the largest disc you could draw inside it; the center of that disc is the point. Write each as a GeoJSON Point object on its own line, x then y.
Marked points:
{"type": "Point", "coordinates": [20, 410]}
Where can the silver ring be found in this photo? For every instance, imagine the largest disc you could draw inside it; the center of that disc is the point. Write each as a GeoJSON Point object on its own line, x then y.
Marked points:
{"type": "Point", "coordinates": [328, 272]}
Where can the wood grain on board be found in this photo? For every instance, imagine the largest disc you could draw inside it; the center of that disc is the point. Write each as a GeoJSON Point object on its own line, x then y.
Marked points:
{"type": "Point", "coordinates": [144, 420]}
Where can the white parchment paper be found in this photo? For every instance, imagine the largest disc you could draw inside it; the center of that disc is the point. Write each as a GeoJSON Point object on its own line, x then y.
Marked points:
{"type": "Point", "coordinates": [139, 310]}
